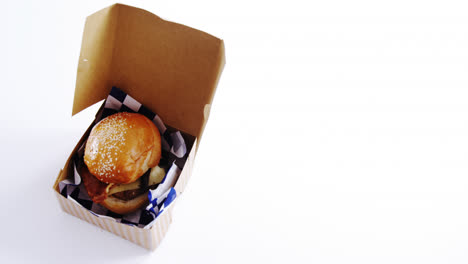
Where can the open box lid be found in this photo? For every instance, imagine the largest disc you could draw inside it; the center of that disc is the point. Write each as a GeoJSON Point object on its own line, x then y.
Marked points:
{"type": "Point", "coordinates": [170, 68]}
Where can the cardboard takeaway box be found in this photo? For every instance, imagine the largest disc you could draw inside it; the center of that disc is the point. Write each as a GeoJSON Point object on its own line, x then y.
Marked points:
{"type": "Point", "coordinates": [171, 68]}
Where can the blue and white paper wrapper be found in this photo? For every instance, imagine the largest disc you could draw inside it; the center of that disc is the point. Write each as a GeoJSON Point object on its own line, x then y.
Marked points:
{"type": "Point", "coordinates": [173, 157]}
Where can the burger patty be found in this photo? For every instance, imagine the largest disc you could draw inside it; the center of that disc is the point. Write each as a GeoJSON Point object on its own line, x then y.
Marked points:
{"type": "Point", "coordinates": [131, 194]}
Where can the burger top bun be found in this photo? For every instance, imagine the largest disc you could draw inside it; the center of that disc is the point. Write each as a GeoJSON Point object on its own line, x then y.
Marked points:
{"type": "Point", "coordinates": [122, 147]}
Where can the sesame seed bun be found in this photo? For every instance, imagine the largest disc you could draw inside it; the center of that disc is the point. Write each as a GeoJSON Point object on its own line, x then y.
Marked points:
{"type": "Point", "coordinates": [122, 147]}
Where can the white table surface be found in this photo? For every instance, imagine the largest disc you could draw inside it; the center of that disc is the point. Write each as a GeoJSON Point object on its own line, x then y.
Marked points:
{"type": "Point", "coordinates": [338, 134]}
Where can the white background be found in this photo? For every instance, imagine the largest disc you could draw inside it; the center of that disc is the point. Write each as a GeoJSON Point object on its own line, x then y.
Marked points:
{"type": "Point", "coordinates": [338, 134]}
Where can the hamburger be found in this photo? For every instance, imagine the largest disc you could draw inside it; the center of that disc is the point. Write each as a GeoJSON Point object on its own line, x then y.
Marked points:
{"type": "Point", "coordinates": [120, 161]}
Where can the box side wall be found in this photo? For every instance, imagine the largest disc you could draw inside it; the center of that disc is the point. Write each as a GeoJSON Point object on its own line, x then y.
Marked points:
{"type": "Point", "coordinates": [147, 238]}
{"type": "Point", "coordinates": [187, 171]}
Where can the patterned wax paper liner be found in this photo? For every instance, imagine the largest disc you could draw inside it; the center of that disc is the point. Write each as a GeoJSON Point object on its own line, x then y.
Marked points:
{"type": "Point", "coordinates": [175, 147]}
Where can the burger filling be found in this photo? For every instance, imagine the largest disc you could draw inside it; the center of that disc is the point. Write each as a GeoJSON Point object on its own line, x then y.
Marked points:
{"type": "Point", "coordinates": [98, 191]}
{"type": "Point", "coordinates": [128, 195]}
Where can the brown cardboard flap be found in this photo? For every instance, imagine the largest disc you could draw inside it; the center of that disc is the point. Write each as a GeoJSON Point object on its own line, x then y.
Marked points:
{"type": "Point", "coordinates": [171, 68]}
{"type": "Point", "coordinates": [94, 66]}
